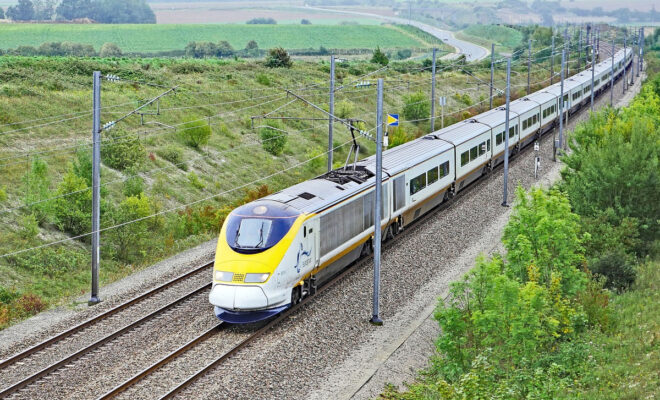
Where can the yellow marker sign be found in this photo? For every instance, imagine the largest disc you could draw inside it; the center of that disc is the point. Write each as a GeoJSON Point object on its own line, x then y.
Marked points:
{"type": "Point", "coordinates": [392, 119]}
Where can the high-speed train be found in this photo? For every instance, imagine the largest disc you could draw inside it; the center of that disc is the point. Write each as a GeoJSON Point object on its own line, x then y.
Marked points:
{"type": "Point", "coordinates": [274, 251]}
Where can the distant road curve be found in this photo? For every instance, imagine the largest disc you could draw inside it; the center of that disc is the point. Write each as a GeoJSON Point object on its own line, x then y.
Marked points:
{"type": "Point", "coordinates": [472, 51]}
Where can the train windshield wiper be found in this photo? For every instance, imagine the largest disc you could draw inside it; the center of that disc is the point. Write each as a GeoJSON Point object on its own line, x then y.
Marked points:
{"type": "Point", "coordinates": [238, 233]}
{"type": "Point", "coordinates": [261, 236]}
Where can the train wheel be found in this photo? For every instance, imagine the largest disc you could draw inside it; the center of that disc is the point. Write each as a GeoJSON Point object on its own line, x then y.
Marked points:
{"type": "Point", "coordinates": [389, 233]}
{"type": "Point", "coordinates": [367, 249]}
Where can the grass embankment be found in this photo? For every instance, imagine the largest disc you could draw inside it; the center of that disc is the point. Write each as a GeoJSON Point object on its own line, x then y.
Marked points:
{"type": "Point", "coordinates": [158, 38]}
{"type": "Point", "coordinates": [150, 168]}
{"type": "Point", "coordinates": [573, 308]}
{"type": "Point", "coordinates": [505, 38]}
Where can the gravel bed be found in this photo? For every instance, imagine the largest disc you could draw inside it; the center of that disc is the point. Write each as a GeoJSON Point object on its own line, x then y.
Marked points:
{"type": "Point", "coordinates": [299, 354]}
{"type": "Point", "coordinates": [49, 323]}
{"type": "Point", "coordinates": [101, 370]}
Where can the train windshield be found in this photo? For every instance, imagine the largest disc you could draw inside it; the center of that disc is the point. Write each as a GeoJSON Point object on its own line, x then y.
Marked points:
{"type": "Point", "coordinates": [258, 226]}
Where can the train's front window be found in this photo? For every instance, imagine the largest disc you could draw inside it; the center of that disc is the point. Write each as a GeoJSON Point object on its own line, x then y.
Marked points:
{"type": "Point", "coordinates": [252, 233]}
{"type": "Point", "coordinates": [258, 226]}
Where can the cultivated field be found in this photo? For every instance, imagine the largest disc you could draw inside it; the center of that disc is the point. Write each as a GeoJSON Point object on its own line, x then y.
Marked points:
{"type": "Point", "coordinates": [153, 38]}
{"type": "Point", "coordinates": [504, 38]}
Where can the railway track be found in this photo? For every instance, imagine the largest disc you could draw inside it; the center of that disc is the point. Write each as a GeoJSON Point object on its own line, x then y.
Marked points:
{"type": "Point", "coordinates": [199, 339]}
{"type": "Point", "coordinates": [19, 359]}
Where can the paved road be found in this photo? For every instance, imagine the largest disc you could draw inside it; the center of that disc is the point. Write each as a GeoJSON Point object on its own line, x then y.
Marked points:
{"type": "Point", "coordinates": [472, 51]}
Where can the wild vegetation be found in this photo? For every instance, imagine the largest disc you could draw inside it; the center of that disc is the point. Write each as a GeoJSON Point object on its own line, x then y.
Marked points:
{"type": "Point", "coordinates": [199, 145]}
{"type": "Point", "coordinates": [103, 11]}
{"type": "Point", "coordinates": [571, 310]}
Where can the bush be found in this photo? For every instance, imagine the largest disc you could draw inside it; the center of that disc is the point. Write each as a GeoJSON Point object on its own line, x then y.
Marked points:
{"type": "Point", "coordinates": [73, 212]}
{"type": "Point", "coordinates": [344, 109]}
{"type": "Point", "coordinates": [128, 239]}
{"type": "Point", "coordinates": [403, 54]}
{"type": "Point", "coordinates": [174, 155]}
{"type": "Point", "coordinates": [263, 79]}
{"type": "Point", "coordinates": [133, 185]}
{"type": "Point", "coordinates": [252, 45]}
{"type": "Point", "coordinates": [37, 189]}
{"type": "Point", "coordinates": [120, 151]}
{"type": "Point", "coordinates": [398, 136]}
{"type": "Point", "coordinates": [379, 57]}
{"type": "Point", "coordinates": [273, 139]}
{"type": "Point", "coordinates": [278, 58]}
{"type": "Point", "coordinates": [619, 274]}
{"type": "Point", "coordinates": [195, 181]}
{"type": "Point", "coordinates": [305, 22]}
{"type": "Point", "coordinates": [29, 227]}
{"type": "Point", "coordinates": [109, 50]}
{"type": "Point", "coordinates": [416, 107]}
{"type": "Point", "coordinates": [195, 132]}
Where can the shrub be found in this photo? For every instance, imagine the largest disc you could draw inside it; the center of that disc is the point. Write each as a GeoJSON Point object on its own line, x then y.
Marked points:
{"type": "Point", "coordinates": [614, 267]}
{"type": "Point", "coordinates": [30, 304]}
{"type": "Point", "coordinates": [37, 188]}
{"type": "Point", "coordinates": [109, 50]}
{"type": "Point", "coordinates": [416, 107]}
{"type": "Point", "coordinates": [278, 58]}
{"type": "Point", "coordinates": [82, 165]}
{"type": "Point", "coordinates": [128, 239]}
{"type": "Point", "coordinates": [174, 155]}
{"type": "Point", "coordinates": [3, 193]}
{"type": "Point", "coordinates": [121, 151]}
{"type": "Point", "coordinates": [7, 295]}
{"type": "Point", "coordinates": [263, 79]}
{"type": "Point", "coordinates": [379, 57]}
{"type": "Point", "coordinates": [29, 226]}
{"type": "Point", "coordinates": [251, 45]}
{"type": "Point", "coordinates": [398, 136]}
{"type": "Point", "coordinates": [133, 185]}
{"type": "Point", "coordinates": [305, 22]}
{"type": "Point", "coordinates": [195, 132]}
{"type": "Point", "coordinates": [73, 212]}
{"type": "Point", "coordinates": [403, 54]}
{"type": "Point", "coordinates": [344, 109]}
{"type": "Point", "coordinates": [273, 139]}
{"type": "Point", "coordinates": [195, 181]}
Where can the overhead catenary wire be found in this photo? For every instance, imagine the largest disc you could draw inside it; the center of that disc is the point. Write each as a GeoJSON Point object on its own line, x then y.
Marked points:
{"type": "Point", "coordinates": [169, 210]}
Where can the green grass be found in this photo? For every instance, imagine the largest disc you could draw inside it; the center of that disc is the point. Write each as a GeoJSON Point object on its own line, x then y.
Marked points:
{"type": "Point", "coordinates": [154, 38]}
{"type": "Point", "coordinates": [505, 38]}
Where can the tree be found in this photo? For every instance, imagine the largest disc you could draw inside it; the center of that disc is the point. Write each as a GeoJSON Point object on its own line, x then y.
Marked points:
{"type": "Point", "coordinates": [379, 57]}
{"type": "Point", "coordinates": [73, 211]}
{"type": "Point", "coordinates": [23, 11]}
{"type": "Point", "coordinates": [43, 9]}
{"type": "Point", "coordinates": [262, 21]}
{"type": "Point", "coordinates": [251, 45]}
{"type": "Point", "coordinates": [2, 13]}
{"type": "Point", "coordinates": [543, 231]}
{"type": "Point", "coordinates": [305, 22]}
{"type": "Point", "coordinates": [109, 50]}
{"type": "Point", "coordinates": [278, 58]}
{"type": "Point", "coordinates": [120, 151]}
{"type": "Point", "coordinates": [74, 9]}
{"type": "Point", "coordinates": [416, 106]}
{"type": "Point", "coordinates": [195, 132]}
{"type": "Point", "coordinates": [224, 49]}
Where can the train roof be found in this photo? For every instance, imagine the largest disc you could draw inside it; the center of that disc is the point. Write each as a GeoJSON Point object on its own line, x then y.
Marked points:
{"type": "Point", "coordinates": [408, 154]}
{"type": "Point", "coordinates": [541, 97]}
{"type": "Point", "coordinates": [495, 117]}
{"type": "Point", "coordinates": [523, 105]}
{"type": "Point", "coordinates": [464, 131]}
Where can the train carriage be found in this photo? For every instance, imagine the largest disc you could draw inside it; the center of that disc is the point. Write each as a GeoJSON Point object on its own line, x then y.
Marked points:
{"type": "Point", "coordinates": [495, 119]}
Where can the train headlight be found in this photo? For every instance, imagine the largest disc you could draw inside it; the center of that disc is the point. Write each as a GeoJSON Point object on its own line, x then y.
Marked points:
{"type": "Point", "coordinates": [256, 278]}
{"type": "Point", "coordinates": [224, 276]}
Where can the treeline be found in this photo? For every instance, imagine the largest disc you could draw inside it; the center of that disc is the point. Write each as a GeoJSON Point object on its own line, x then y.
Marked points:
{"type": "Point", "coordinates": [69, 49]}
{"type": "Point", "coordinates": [539, 322]}
{"type": "Point", "coordinates": [103, 11]}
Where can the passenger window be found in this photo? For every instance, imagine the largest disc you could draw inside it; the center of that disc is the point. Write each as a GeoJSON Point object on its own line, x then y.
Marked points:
{"type": "Point", "coordinates": [488, 145]}
{"type": "Point", "coordinates": [473, 153]}
{"type": "Point", "coordinates": [418, 183]}
{"type": "Point", "coordinates": [433, 175]}
{"type": "Point", "coordinates": [482, 148]}
{"type": "Point", "coordinates": [444, 169]}
{"type": "Point", "coordinates": [512, 131]}
{"type": "Point", "coordinates": [499, 138]}
{"type": "Point", "coordinates": [465, 158]}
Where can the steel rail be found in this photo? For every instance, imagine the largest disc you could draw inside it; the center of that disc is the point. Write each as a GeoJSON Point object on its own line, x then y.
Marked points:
{"type": "Point", "coordinates": [60, 336]}
{"type": "Point", "coordinates": [73, 357]}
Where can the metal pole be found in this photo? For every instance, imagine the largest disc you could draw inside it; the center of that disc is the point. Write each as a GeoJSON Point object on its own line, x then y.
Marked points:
{"type": "Point", "coordinates": [561, 100]}
{"type": "Point", "coordinates": [529, 63]}
{"type": "Point", "coordinates": [442, 112]}
{"type": "Point", "coordinates": [433, 94]}
{"type": "Point", "coordinates": [641, 52]}
{"type": "Point", "coordinates": [598, 42]}
{"type": "Point", "coordinates": [593, 69]}
{"type": "Point", "coordinates": [332, 111]}
{"type": "Point", "coordinates": [552, 60]}
{"type": "Point", "coordinates": [492, 71]}
{"type": "Point", "coordinates": [375, 319]}
{"type": "Point", "coordinates": [612, 77]}
{"type": "Point", "coordinates": [506, 132]}
{"type": "Point", "coordinates": [568, 55]}
{"type": "Point", "coordinates": [96, 188]}
{"type": "Point", "coordinates": [632, 67]}
{"type": "Point", "coordinates": [580, 50]}
{"type": "Point", "coordinates": [625, 49]}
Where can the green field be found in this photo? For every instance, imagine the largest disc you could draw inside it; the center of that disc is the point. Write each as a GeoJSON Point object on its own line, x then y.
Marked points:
{"type": "Point", "coordinates": [154, 38]}
{"type": "Point", "coordinates": [506, 38]}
